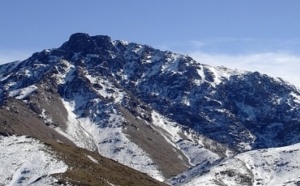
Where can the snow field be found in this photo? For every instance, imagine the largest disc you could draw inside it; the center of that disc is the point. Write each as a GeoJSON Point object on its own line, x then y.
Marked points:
{"type": "Point", "coordinates": [268, 167]}
{"type": "Point", "coordinates": [110, 141]}
{"type": "Point", "coordinates": [25, 161]}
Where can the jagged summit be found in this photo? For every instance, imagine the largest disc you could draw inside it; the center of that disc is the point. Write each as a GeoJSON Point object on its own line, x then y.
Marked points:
{"type": "Point", "coordinates": [85, 44]}
{"type": "Point", "coordinates": [155, 111]}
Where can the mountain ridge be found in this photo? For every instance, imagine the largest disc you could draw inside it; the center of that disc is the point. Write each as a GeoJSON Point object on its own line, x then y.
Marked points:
{"type": "Point", "coordinates": [156, 111]}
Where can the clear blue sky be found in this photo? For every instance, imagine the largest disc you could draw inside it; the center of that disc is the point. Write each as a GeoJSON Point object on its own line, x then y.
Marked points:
{"type": "Point", "coordinates": [211, 29]}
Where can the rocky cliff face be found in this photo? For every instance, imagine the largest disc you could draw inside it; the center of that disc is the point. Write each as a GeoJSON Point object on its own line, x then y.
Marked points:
{"type": "Point", "coordinates": [156, 111]}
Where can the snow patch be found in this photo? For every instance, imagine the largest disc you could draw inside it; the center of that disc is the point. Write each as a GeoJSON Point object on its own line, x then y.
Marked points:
{"type": "Point", "coordinates": [23, 92]}
{"type": "Point", "coordinates": [138, 50]}
{"type": "Point", "coordinates": [221, 73]}
{"type": "Point", "coordinates": [67, 75]}
{"type": "Point", "coordinates": [25, 161]}
{"type": "Point", "coordinates": [75, 131]}
{"type": "Point", "coordinates": [296, 97]}
{"type": "Point", "coordinates": [106, 88]}
{"type": "Point", "coordinates": [188, 143]}
{"type": "Point", "coordinates": [202, 75]}
{"type": "Point", "coordinates": [5, 77]}
{"type": "Point", "coordinates": [46, 118]}
{"type": "Point", "coordinates": [92, 159]}
{"type": "Point", "coordinates": [172, 63]}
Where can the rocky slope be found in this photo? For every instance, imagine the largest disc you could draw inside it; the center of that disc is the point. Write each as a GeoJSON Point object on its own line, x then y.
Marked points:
{"type": "Point", "coordinates": [272, 166]}
{"type": "Point", "coordinates": [27, 161]}
{"type": "Point", "coordinates": [158, 112]}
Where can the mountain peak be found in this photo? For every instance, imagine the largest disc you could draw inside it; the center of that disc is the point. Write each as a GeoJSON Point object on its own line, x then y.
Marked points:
{"type": "Point", "coordinates": [84, 43]}
{"type": "Point", "coordinates": [79, 37]}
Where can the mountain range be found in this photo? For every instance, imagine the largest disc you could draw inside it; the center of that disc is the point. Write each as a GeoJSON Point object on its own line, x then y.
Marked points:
{"type": "Point", "coordinates": [97, 111]}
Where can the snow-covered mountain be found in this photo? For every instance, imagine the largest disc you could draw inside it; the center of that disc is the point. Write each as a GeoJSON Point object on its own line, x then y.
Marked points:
{"type": "Point", "coordinates": [272, 166]}
{"type": "Point", "coordinates": [158, 112]}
